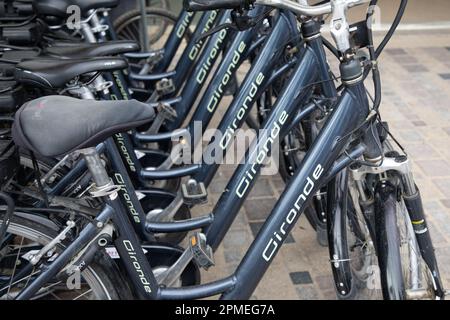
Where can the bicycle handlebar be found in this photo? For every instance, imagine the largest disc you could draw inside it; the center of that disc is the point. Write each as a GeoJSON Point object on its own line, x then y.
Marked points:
{"type": "Point", "coordinates": [203, 5]}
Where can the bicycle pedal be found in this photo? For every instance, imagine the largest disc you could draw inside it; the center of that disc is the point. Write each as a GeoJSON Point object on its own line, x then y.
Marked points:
{"type": "Point", "coordinates": [165, 87]}
{"type": "Point", "coordinates": [167, 112]}
{"type": "Point", "coordinates": [194, 193]}
{"type": "Point", "coordinates": [202, 253]}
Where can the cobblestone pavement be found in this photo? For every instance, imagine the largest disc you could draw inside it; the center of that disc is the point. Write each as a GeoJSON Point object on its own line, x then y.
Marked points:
{"type": "Point", "coordinates": [415, 72]}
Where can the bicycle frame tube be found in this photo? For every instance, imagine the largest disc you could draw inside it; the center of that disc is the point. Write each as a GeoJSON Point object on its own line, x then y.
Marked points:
{"type": "Point", "coordinates": [203, 67]}
{"type": "Point", "coordinates": [175, 38]}
{"type": "Point", "coordinates": [186, 63]}
{"type": "Point", "coordinates": [348, 115]}
{"type": "Point", "coordinates": [127, 192]}
{"type": "Point", "coordinates": [297, 91]}
{"type": "Point", "coordinates": [239, 109]}
{"type": "Point", "coordinates": [350, 112]}
{"type": "Point", "coordinates": [132, 256]}
{"type": "Point", "coordinates": [235, 55]}
{"type": "Point", "coordinates": [172, 43]}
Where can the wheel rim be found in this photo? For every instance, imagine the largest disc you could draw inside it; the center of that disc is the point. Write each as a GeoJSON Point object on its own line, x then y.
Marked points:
{"type": "Point", "coordinates": [89, 277]}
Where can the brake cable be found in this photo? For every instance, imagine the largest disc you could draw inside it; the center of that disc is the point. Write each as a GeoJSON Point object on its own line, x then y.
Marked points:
{"type": "Point", "coordinates": [38, 179]}
{"type": "Point", "coordinates": [240, 23]}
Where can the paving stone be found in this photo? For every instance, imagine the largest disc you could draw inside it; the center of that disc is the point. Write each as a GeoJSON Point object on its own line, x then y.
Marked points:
{"type": "Point", "coordinates": [436, 235]}
{"type": "Point", "coordinates": [307, 293]}
{"type": "Point", "coordinates": [447, 130]}
{"type": "Point", "coordinates": [395, 51]}
{"type": "Point", "coordinates": [301, 277]}
{"type": "Point", "coordinates": [443, 185]}
{"type": "Point", "coordinates": [329, 295]}
{"type": "Point", "coordinates": [410, 136]}
{"type": "Point", "coordinates": [259, 209]}
{"type": "Point", "coordinates": [419, 123]}
{"type": "Point", "coordinates": [217, 186]}
{"type": "Point", "coordinates": [262, 189]}
{"type": "Point", "coordinates": [416, 68]}
{"type": "Point", "coordinates": [405, 60]}
{"type": "Point", "coordinates": [434, 168]}
{"type": "Point", "coordinates": [421, 151]}
{"type": "Point", "coordinates": [279, 184]}
{"type": "Point", "coordinates": [237, 239]}
{"type": "Point", "coordinates": [446, 203]}
{"type": "Point", "coordinates": [324, 282]}
{"type": "Point", "coordinates": [232, 256]}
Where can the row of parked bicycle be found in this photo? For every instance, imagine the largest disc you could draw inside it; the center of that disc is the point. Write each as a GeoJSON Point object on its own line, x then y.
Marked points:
{"type": "Point", "coordinates": [96, 202]}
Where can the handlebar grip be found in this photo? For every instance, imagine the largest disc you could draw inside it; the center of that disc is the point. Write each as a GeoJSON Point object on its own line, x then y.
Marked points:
{"type": "Point", "coordinates": [205, 5]}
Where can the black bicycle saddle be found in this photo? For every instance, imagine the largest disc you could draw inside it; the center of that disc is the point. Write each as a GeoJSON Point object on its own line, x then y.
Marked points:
{"type": "Point", "coordinates": [58, 8]}
{"type": "Point", "coordinates": [91, 50]}
{"type": "Point", "coordinates": [56, 125]}
{"type": "Point", "coordinates": [55, 74]}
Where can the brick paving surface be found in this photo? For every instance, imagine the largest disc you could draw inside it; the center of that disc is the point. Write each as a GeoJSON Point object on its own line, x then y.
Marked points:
{"type": "Point", "coordinates": [415, 72]}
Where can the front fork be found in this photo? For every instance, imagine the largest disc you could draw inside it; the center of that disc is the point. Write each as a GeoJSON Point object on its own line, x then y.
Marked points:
{"type": "Point", "coordinates": [411, 195]}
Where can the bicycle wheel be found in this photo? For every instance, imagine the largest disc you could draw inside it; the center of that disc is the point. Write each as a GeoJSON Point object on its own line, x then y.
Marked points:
{"type": "Point", "coordinates": [99, 281]}
{"type": "Point", "coordinates": [128, 26]}
{"type": "Point", "coordinates": [402, 269]}
{"type": "Point", "coordinates": [383, 252]}
{"type": "Point", "coordinates": [359, 249]}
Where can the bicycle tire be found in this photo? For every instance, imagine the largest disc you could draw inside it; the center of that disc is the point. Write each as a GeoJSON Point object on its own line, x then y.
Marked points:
{"type": "Point", "coordinates": [388, 242]}
{"type": "Point", "coordinates": [131, 16]}
{"type": "Point", "coordinates": [101, 273]}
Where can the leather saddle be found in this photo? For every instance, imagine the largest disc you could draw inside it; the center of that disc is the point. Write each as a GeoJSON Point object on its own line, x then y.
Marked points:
{"type": "Point", "coordinates": [58, 8]}
{"type": "Point", "coordinates": [91, 50]}
{"type": "Point", "coordinates": [55, 74]}
{"type": "Point", "coordinates": [56, 125]}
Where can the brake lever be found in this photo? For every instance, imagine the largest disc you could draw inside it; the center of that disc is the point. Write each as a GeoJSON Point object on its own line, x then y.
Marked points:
{"type": "Point", "coordinates": [241, 22]}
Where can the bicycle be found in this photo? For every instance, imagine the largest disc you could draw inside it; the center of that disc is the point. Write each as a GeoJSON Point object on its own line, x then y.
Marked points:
{"type": "Point", "coordinates": [329, 154]}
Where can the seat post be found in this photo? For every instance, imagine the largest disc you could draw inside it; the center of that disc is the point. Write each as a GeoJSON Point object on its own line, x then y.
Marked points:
{"type": "Point", "coordinates": [96, 167]}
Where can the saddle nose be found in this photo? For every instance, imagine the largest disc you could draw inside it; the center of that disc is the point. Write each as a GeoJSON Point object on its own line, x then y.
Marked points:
{"type": "Point", "coordinates": [56, 125]}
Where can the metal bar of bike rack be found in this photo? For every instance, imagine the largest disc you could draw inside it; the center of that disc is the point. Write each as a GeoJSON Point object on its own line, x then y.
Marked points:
{"type": "Point", "coordinates": [141, 137]}
{"type": "Point", "coordinates": [144, 26]}
{"type": "Point", "coordinates": [170, 174]}
{"type": "Point", "coordinates": [152, 77]}
{"type": "Point", "coordinates": [143, 55]}
{"type": "Point", "coordinates": [196, 292]}
{"type": "Point", "coordinates": [179, 226]}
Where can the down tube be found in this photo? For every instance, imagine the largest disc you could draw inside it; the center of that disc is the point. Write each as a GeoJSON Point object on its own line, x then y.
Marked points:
{"type": "Point", "coordinates": [193, 49]}
{"type": "Point", "coordinates": [173, 42]}
{"type": "Point", "coordinates": [246, 174]}
{"type": "Point", "coordinates": [202, 69]}
{"type": "Point", "coordinates": [234, 56]}
{"type": "Point", "coordinates": [250, 89]}
{"type": "Point", "coordinates": [350, 112]}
